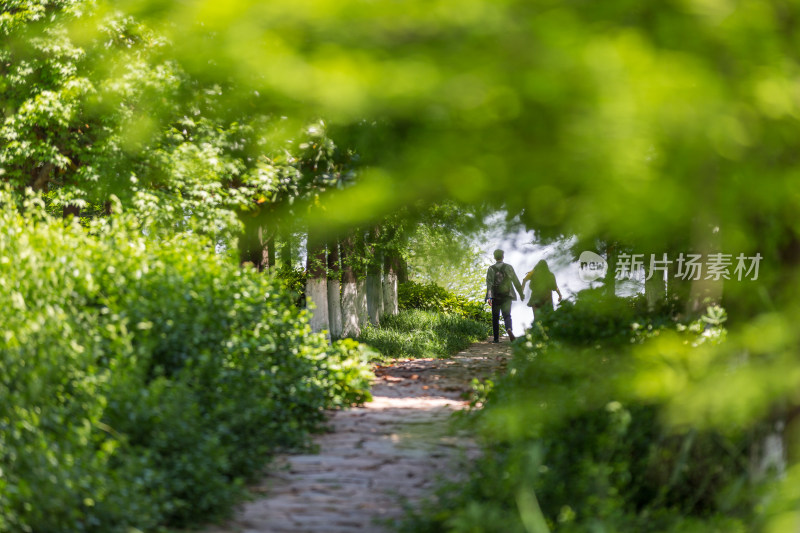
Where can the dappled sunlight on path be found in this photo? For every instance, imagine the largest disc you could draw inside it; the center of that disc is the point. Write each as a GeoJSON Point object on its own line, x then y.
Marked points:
{"type": "Point", "coordinates": [391, 450]}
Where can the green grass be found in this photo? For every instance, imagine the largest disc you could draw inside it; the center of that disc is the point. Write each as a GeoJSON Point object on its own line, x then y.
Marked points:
{"type": "Point", "coordinates": [415, 333]}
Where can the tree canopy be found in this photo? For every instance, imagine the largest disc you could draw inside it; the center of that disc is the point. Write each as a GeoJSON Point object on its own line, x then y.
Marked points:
{"type": "Point", "coordinates": [620, 119]}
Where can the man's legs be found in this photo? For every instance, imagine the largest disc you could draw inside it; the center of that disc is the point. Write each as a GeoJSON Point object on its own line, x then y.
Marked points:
{"type": "Point", "coordinates": [506, 308]}
{"type": "Point", "coordinates": [496, 305]}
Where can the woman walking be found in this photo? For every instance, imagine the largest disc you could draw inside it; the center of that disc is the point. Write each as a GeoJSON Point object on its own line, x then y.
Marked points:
{"type": "Point", "coordinates": [543, 284]}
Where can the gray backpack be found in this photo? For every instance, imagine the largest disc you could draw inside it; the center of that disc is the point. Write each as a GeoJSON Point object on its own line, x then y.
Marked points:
{"type": "Point", "coordinates": [502, 283]}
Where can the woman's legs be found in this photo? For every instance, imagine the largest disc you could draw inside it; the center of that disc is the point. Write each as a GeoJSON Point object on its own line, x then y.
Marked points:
{"type": "Point", "coordinates": [540, 306]}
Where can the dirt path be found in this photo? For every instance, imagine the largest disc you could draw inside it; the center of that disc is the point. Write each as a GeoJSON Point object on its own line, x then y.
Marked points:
{"type": "Point", "coordinates": [393, 448]}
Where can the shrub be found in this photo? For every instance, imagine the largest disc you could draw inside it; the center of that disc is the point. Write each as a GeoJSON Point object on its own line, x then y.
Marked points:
{"type": "Point", "coordinates": [431, 297]}
{"type": "Point", "coordinates": [418, 333]}
{"type": "Point", "coordinates": [569, 443]}
{"type": "Point", "coordinates": [594, 318]}
{"type": "Point", "coordinates": [294, 280]}
{"type": "Point", "coordinates": [145, 380]}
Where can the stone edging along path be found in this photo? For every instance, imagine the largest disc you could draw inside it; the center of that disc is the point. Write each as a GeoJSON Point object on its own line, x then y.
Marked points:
{"type": "Point", "coordinates": [392, 450]}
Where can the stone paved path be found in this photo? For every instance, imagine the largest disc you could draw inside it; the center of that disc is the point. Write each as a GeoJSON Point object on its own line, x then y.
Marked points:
{"type": "Point", "coordinates": [391, 450]}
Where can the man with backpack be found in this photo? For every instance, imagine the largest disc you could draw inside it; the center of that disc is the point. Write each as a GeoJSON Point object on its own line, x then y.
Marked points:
{"type": "Point", "coordinates": [501, 280]}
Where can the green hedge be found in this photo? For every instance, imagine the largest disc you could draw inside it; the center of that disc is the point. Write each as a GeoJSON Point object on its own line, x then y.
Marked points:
{"type": "Point", "coordinates": [145, 379]}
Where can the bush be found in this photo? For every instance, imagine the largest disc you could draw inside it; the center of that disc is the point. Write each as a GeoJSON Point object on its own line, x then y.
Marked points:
{"type": "Point", "coordinates": [568, 443]}
{"type": "Point", "coordinates": [594, 318]}
{"type": "Point", "coordinates": [294, 280]}
{"type": "Point", "coordinates": [418, 333]}
{"type": "Point", "coordinates": [145, 380]}
{"type": "Point", "coordinates": [431, 297]}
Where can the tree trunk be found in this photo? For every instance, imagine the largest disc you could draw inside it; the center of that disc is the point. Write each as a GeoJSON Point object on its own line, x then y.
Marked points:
{"type": "Point", "coordinates": [704, 291]}
{"type": "Point", "coordinates": [678, 289]}
{"type": "Point", "coordinates": [361, 279]}
{"type": "Point", "coordinates": [286, 255]}
{"type": "Point", "coordinates": [71, 211]}
{"type": "Point", "coordinates": [655, 288]}
{"type": "Point", "coordinates": [267, 245]}
{"type": "Point", "coordinates": [247, 242]}
{"type": "Point", "coordinates": [390, 268]}
{"type": "Point", "coordinates": [255, 244]}
{"type": "Point", "coordinates": [611, 273]}
{"type": "Point", "coordinates": [361, 303]}
{"type": "Point", "coordinates": [334, 289]}
{"type": "Point", "coordinates": [350, 322]}
{"type": "Point", "coordinates": [317, 286]}
{"type": "Point", "coordinates": [374, 280]}
{"type": "Point", "coordinates": [375, 298]}
{"type": "Point", "coordinates": [41, 177]}
{"type": "Point", "coordinates": [402, 270]}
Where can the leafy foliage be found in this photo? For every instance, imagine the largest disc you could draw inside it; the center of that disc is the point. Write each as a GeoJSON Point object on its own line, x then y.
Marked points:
{"type": "Point", "coordinates": [144, 380]}
{"type": "Point", "coordinates": [571, 447]}
{"type": "Point", "coordinates": [594, 318]}
{"type": "Point", "coordinates": [294, 280]}
{"type": "Point", "coordinates": [95, 106]}
{"type": "Point", "coordinates": [439, 249]}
